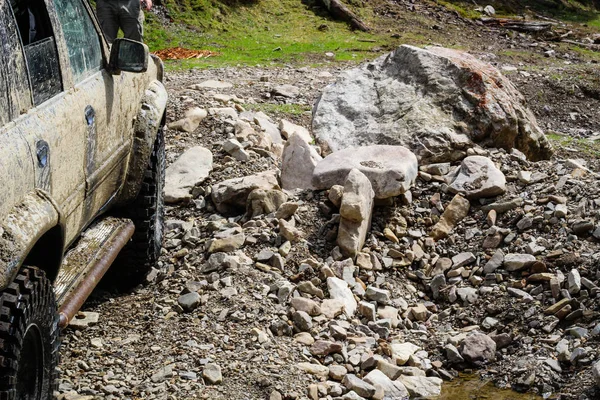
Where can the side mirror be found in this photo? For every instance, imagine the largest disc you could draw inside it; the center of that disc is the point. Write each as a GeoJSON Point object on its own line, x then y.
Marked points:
{"type": "Point", "coordinates": [129, 56]}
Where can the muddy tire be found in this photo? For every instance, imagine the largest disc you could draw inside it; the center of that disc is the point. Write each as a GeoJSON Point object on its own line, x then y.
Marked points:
{"type": "Point", "coordinates": [147, 212]}
{"type": "Point", "coordinates": [29, 338]}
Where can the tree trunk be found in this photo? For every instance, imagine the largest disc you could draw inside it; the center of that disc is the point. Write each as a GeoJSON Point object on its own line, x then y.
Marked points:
{"type": "Point", "coordinates": [338, 10]}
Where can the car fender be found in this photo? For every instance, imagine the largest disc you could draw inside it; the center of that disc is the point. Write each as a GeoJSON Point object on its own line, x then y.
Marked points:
{"type": "Point", "coordinates": [21, 229]}
{"type": "Point", "coordinates": [148, 121]}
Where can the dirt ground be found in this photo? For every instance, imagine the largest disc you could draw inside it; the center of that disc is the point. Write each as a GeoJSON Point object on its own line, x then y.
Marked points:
{"type": "Point", "coordinates": [143, 347]}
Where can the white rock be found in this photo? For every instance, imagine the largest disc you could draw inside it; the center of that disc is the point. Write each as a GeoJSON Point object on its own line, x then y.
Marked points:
{"type": "Point", "coordinates": [401, 352]}
{"type": "Point", "coordinates": [435, 101]}
{"type": "Point", "coordinates": [189, 170]}
{"type": "Point", "coordinates": [298, 163]}
{"type": "Point", "coordinates": [211, 84]}
{"type": "Point", "coordinates": [190, 121]}
{"type": "Point", "coordinates": [355, 213]}
{"type": "Point", "coordinates": [422, 387]}
{"type": "Point", "coordinates": [392, 170]}
{"type": "Point", "coordinates": [339, 290]}
{"type": "Point", "coordinates": [288, 128]}
{"type": "Point", "coordinates": [477, 177]}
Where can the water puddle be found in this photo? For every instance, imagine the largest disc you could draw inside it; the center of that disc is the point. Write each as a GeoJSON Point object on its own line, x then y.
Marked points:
{"type": "Point", "coordinates": [470, 387]}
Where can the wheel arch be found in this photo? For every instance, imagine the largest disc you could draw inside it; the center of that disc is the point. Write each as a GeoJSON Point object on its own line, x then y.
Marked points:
{"type": "Point", "coordinates": [27, 231]}
{"type": "Point", "coordinates": [150, 118]}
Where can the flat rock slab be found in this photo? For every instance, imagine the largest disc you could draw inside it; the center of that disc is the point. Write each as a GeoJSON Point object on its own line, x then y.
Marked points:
{"type": "Point", "coordinates": [211, 84]}
{"type": "Point", "coordinates": [437, 102]}
{"type": "Point", "coordinates": [189, 170]}
{"type": "Point", "coordinates": [477, 177]}
{"type": "Point", "coordinates": [391, 169]}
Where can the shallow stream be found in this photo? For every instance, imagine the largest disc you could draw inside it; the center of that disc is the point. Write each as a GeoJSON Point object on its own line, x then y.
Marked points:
{"type": "Point", "coordinates": [469, 387]}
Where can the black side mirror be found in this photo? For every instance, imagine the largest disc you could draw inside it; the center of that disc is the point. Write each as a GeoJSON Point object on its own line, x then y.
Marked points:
{"type": "Point", "coordinates": [129, 56]}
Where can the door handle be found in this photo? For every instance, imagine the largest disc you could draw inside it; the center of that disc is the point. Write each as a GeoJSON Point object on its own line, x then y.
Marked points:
{"type": "Point", "coordinates": [42, 153]}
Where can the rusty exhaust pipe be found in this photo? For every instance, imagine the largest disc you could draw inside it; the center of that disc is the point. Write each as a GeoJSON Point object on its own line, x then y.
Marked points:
{"type": "Point", "coordinates": [77, 297]}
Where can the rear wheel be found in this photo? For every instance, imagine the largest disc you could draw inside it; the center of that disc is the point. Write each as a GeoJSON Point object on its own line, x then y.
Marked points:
{"type": "Point", "coordinates": [29, 338]}
{"type": "Point", "coordinates": [147, 212]}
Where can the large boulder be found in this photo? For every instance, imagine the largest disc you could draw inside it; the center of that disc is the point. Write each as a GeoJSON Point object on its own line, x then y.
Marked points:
{"type": "Point", "coordinates": [391, 169]}
{"type": "Point", "coordinates": [436, 101]}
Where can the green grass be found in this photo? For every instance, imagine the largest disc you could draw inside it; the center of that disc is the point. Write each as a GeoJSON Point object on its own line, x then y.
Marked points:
{"type": "Point", "coordinates": [264, 32]}
{"type": "Point", "coordinates": [465, 10]}
{"type": "Point", "coordinates": [290, 109]}
{"type": "Point", "coordinates": [587, 147]}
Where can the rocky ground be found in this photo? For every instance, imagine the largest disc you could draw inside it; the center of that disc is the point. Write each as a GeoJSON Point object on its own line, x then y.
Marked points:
{"type": "Point", "coordinates": [253, 299]}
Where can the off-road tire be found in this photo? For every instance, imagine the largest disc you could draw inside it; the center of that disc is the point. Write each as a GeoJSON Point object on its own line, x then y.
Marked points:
{"type": "Point", "coordinates": [147, 212]}
{"type": "Point", "coordinates": [29, 338]}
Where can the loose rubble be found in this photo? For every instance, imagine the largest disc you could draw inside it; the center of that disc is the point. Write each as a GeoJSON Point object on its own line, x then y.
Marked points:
{"type": "Point", "coordinates": [388, 280]}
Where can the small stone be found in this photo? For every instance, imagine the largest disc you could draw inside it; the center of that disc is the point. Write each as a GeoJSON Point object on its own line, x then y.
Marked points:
{"type": "Point", "coordinates": [212, 374]}
{"type": "Point", "coordinates": [360, 387]}
{"type": "Point", "coordinates": [190, 301]}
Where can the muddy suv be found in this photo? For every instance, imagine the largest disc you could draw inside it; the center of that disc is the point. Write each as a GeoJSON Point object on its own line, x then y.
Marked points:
{"type": "Point", "coordinates": [81, 176]}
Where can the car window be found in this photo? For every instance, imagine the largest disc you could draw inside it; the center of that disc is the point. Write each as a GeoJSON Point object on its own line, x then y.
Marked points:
{"type": "Point", "coordinates": [83, 43]}
{"type": "Point", "coordinates": [14, 83]}
{"type": "Point", "coordinates": [39, 47]}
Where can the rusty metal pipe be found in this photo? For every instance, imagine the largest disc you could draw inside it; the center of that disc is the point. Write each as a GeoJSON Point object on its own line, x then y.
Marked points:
{"type": "Point", "coordinates": [75, 300]}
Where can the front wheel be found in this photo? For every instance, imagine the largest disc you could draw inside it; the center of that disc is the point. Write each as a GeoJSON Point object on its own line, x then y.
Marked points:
{"type": "Point", "coordinates": [147, 213]}
{"type": "Point", "coordinates": [29, 338]}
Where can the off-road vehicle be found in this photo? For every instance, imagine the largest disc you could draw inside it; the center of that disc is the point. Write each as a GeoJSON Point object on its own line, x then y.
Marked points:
{"type": "Point", "coordinates": [81, 176]}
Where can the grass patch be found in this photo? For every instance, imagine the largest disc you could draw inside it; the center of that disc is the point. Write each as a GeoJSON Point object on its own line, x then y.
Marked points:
{"type": "Point", "coordinates": [271, 108]}
{"type": "Point", "coordinates": [261, 32]}
{"type": "Point", "coordinates": [588, 147]}
{"type": "Point", "coordinates": [464, 9]}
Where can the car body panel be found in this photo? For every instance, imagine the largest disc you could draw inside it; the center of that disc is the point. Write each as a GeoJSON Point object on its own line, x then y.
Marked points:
{"type": "Point", "coordinates": [72, 157]}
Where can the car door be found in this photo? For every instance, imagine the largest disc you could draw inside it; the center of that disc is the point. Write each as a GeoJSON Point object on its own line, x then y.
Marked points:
{"type": "Point", "coordinates": [56, 137]}
{"type": "Point", "coordinates": [97, 104]}
{"type": "Point", "coordinates": [16, 162]}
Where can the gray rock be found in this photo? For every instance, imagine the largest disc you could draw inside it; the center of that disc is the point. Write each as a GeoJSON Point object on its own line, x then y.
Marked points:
{"type": "Point", "coordinates": [298, 164]}
{"type": "Point", "coordinates": [381, 296]}
{"type": "Point", "coordinates": [477, 177]}
{"type": "Point", "coordinates": [422, 387]}
{"type": "Point", "coordinates": [462, 259]}
{"type": "Point", "coordinates": [188, 171]}
{"type": "Point", "coordinates": [520, 294]}
{"type": "Point", "coordinates": [596, 372]}
{"type": "Point", "coordinates": [392, 170]}
{"type": "Point", "coordinates": [288, 129]}
{"type": "Point", "coordinates": [478, 348]}
{"type": "Point", "coordinates": [355, 213]}
{"type": "Point", "coordinates": [360, 387]}
{"type": "Point", "coordinates": [189, 301]}
{"type": "Point", "coordinates": [264, 201]}
{"type": "Point", "coordinates": [302, 321]}
{"type": "Point", "coordinates": [190, 121]}
{"type": "Point", "coordinates": [453, 355]}
{"type": "Point", "coordinates": [236, 150]}
{"type": "Point", "coordinates": [232, 194]}
{"type": "Point", "coordinates": [574, 281]}
{"type": "Point", "coordinates": [392, 389]}
{"type": "Point", "coordinates": [437, 283]}
{"type": "Point", "coordinates": [435, 101]}
{"type": "Point", "coordinates": [494, 263]}
{"type": "Point", "coordinates": [212, 374]}
{"type": "Point", "coordinates": [516, 262]}
{"type": "Point", "coordinates": [211, 84]}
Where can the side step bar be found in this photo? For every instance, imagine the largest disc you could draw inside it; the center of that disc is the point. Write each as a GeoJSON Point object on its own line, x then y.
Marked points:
{"type": "Point", "coordinates": [85, 264]}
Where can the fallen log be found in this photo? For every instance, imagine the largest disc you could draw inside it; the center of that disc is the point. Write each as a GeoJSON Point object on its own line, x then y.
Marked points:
{"type": "Point", "coordinates": [519, 26]}
{"type": "Point", "coordinates": [338, 10]}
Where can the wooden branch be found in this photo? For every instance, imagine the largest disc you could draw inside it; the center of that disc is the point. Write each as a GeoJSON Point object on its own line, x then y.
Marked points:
{"type": "Point", "coordinates": [338, 10]}
{"type": "Point", "coordinates": [517, 25]}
